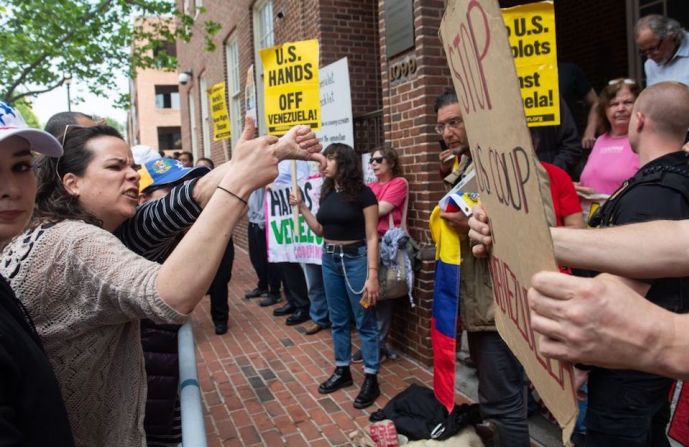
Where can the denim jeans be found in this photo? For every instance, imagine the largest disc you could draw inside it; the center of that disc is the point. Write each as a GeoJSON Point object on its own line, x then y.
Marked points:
{"type": "Point", "coordinates": [343, 305]}
{"type": "Point", "coordinates": [318, 309]}
{"type": "Point", "coordinates": [501, 390]}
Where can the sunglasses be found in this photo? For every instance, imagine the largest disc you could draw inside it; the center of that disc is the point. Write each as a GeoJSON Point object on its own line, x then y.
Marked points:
{"type": "Point", "coordinates": [646, 51]}
{"type": "Point", "coordinates": [626, 81]}
{"type": "Point", "coordinates": [378, 160]}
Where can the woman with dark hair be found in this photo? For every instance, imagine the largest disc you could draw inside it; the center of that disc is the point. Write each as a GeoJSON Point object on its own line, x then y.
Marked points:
{"type": "Point", "coordinates": [391, 191]}
{"type": "Point", "coordinates": [347, 218]}
{"type": "Point", "coordinates": [86, 292]}
{"type": "Point", "coordinates": [612, 160]}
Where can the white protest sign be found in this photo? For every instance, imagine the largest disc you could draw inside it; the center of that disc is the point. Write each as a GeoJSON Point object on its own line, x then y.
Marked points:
{"type": "Point", "coordinates": [336, 104]}
{"type": "Point", "coordinates": [283, 244]}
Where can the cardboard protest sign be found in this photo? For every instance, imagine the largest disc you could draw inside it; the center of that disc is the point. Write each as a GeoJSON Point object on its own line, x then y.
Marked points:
{"type": "Point", "coordinates": [221, 117]}
{"type": "Point", "coordinates": [291, 86]}
{"type": "Point", "coordinates": [507, 170]}
{"type": "Point", "coordinates": [284, 244]}
{"type": "Point", "coordinates": [531, 31]}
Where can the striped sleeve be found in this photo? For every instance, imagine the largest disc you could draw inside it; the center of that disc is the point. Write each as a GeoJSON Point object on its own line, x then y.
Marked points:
{"type": "Point", "coordinates": [157, 225]}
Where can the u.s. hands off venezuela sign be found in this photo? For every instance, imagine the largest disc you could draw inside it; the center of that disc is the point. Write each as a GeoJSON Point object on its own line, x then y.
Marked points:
{"type": "Point", "coordinates": [283, 244]}
{"type": "Point", "coordinates": [291, 87]}
{"type": "Point", "coordinates": [480, 60]}
{"type": "Point", "coordinates": [531, 31]}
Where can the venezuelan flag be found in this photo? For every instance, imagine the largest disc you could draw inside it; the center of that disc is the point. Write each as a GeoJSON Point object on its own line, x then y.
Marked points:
{"type": "Point", "coordinates": [445, 306]}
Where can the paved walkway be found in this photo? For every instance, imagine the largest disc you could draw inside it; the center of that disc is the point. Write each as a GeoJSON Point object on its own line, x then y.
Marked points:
{"type": "Point", "coordinates": [259, 381]}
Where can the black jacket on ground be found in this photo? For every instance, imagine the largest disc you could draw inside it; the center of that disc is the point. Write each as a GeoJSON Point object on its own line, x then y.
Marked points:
{"type": "Point", "coordinates": [31, 409]}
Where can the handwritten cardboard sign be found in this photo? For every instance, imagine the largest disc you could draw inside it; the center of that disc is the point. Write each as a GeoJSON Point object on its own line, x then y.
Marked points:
{"type": "Point", "coordinates": [484, 76]}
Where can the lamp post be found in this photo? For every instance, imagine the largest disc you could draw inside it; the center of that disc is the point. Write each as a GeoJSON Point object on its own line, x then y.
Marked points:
{"type": "Point", "coordinates": [68, 81]}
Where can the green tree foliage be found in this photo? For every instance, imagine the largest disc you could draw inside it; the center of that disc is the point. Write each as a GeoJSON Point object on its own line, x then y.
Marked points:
{"type": "Point", "coordinates": [26, 110]}
{"type": "Point", "coordinates": [41, 40]}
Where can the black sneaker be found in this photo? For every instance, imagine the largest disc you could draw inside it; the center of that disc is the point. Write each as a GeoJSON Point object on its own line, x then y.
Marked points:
{"type": "Point", "coordinates": [255, 293]}
{"type": "Point", "coordinates": [220, 328]}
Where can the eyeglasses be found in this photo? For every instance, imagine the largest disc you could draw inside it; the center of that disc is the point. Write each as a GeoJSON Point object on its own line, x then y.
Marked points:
{"type": "Point", "coordinates": [655, 49]}
{"type": "Point", "coordinates": [378, 160]}
{"type": "Point", "coordinates": [454, 123]}
{"type": "Point", "coordinates": [625, 81]}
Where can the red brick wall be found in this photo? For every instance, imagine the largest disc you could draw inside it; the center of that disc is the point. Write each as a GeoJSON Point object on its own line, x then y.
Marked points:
{"type": "Point", "coordinates": [350, 28]}
{"type": "Point", "coordinates": [408, 122]}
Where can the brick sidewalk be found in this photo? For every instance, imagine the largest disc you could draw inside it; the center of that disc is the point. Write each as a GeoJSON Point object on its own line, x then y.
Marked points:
{"type": "Point", "coordinates": [259, 381]}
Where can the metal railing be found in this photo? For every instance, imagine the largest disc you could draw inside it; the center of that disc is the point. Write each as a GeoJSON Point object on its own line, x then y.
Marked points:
{"type": "Point", "coordinates": [193, 428]}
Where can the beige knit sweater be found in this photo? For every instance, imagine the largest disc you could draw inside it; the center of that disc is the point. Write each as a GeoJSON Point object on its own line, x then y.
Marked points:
{"type": "Point", "coordinates": [86, 293]}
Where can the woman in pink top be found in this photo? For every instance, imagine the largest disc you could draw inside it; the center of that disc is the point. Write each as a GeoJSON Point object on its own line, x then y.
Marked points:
{"type": "Point", "coordinates": [612, 160]}
{"type": "Point", "coordinates": [391, 190]}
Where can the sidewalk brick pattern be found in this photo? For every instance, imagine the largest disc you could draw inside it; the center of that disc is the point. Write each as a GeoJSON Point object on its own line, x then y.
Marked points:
{"type": "Point", "coordinates": [259, 381]}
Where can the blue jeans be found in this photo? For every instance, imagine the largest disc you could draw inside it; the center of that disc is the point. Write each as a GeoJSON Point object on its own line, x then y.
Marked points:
{"type": "Point", "coordinates": [343, 305]}
{"type": "Point", "coordinates": [318, 310]}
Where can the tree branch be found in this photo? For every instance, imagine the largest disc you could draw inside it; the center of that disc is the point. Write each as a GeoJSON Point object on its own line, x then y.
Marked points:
{"type": "Point", "coordinates": [57, 44]}
{"type": "Point", "coordinates": [14, 99]}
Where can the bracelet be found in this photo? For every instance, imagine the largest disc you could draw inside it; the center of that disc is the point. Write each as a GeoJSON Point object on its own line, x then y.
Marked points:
{"type": "Point", "coordinates": [373, 268]}
{"type": "Point", "coordinates": [233, 195]}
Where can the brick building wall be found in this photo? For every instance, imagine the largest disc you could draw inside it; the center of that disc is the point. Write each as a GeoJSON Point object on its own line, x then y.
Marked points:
{"type": "Point", "coordinates": [408, 120]}
{"type": "Point", "coordinates": [403, 104]}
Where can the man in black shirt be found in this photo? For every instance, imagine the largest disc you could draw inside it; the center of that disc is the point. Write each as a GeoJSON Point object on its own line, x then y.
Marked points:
{"type": "Point", "coordinates": [630, 408]}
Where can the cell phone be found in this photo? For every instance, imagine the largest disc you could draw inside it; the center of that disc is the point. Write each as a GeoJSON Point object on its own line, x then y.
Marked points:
{"type": "Point", "coordinates": [443, 147]}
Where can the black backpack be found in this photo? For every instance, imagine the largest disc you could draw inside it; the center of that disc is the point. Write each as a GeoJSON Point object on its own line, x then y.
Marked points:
{"type": "Point", "coordinates": [417, 414]}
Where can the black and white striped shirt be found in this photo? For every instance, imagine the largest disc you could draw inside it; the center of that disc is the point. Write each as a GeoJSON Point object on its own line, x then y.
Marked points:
{"type": "Point", "coordinates": [158, 225]}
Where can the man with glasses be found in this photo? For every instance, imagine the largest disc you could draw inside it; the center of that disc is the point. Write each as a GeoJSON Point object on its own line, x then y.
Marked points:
{"type": "Point", "coordinates": [501, 389]}
{"type": "Point", "coordinates": [665, 44]}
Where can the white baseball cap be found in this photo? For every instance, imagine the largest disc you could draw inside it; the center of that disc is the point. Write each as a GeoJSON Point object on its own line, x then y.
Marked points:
{"type": "Point", "coordinates": [143, 154]}
{"type": "Point", "coordinates": [12, 123]}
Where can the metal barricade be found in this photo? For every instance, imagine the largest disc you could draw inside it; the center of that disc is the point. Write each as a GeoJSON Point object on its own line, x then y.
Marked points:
{"type": "Point", "coordinates": [193, 428]}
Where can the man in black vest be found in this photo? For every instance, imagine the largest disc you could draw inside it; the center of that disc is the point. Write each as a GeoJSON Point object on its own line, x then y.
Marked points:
{"type": "Point", "coordinates": [630, 408]}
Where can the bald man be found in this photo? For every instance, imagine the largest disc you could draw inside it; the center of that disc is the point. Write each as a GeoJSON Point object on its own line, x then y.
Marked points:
{"type": "Point", "coordinates": [626, 407]}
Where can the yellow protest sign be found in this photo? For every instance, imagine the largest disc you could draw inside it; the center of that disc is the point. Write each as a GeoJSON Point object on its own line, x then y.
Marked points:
{"type": "Point", "coordinates": [221, 117]}
{"type": "Point", "coordinates": [531, 33]}
{"type": "Point", "coordinates": [291, 87]}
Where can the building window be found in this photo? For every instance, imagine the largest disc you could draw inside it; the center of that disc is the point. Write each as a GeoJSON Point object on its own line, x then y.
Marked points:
{"type": "Point", "coordinates": [193, 127]}
{"type": "Point", "coordinates": [233, 88]}
{"type": "Point", "coordinates": [167, 96]}
{"type": "Point", "coordinates": [169, 138]}
{"type": "Point", "coordinates": [263, 38]}
{"type": "Point", "coordinates": [205, 117]}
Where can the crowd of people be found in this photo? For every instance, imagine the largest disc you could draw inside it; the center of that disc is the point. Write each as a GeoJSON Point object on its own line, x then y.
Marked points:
{"type": "Point", "coordinates": [96, 240]}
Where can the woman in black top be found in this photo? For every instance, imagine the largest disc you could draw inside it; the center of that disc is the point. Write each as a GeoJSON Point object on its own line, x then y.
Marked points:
{"type": "Point", "coordinates": [347, 219]}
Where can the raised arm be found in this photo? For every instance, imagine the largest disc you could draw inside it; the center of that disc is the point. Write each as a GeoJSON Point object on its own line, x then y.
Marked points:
{"type": "Point", "coordinates": [185, 276]}
{"type": "Point", "coordinates": [300, 143]}
{"type": "Point", "coordinates": [646, 250]}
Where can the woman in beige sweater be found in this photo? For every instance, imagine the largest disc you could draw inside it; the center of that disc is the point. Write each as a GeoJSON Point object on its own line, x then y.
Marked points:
{"type": "Point", "coordinates": [86, 292]}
